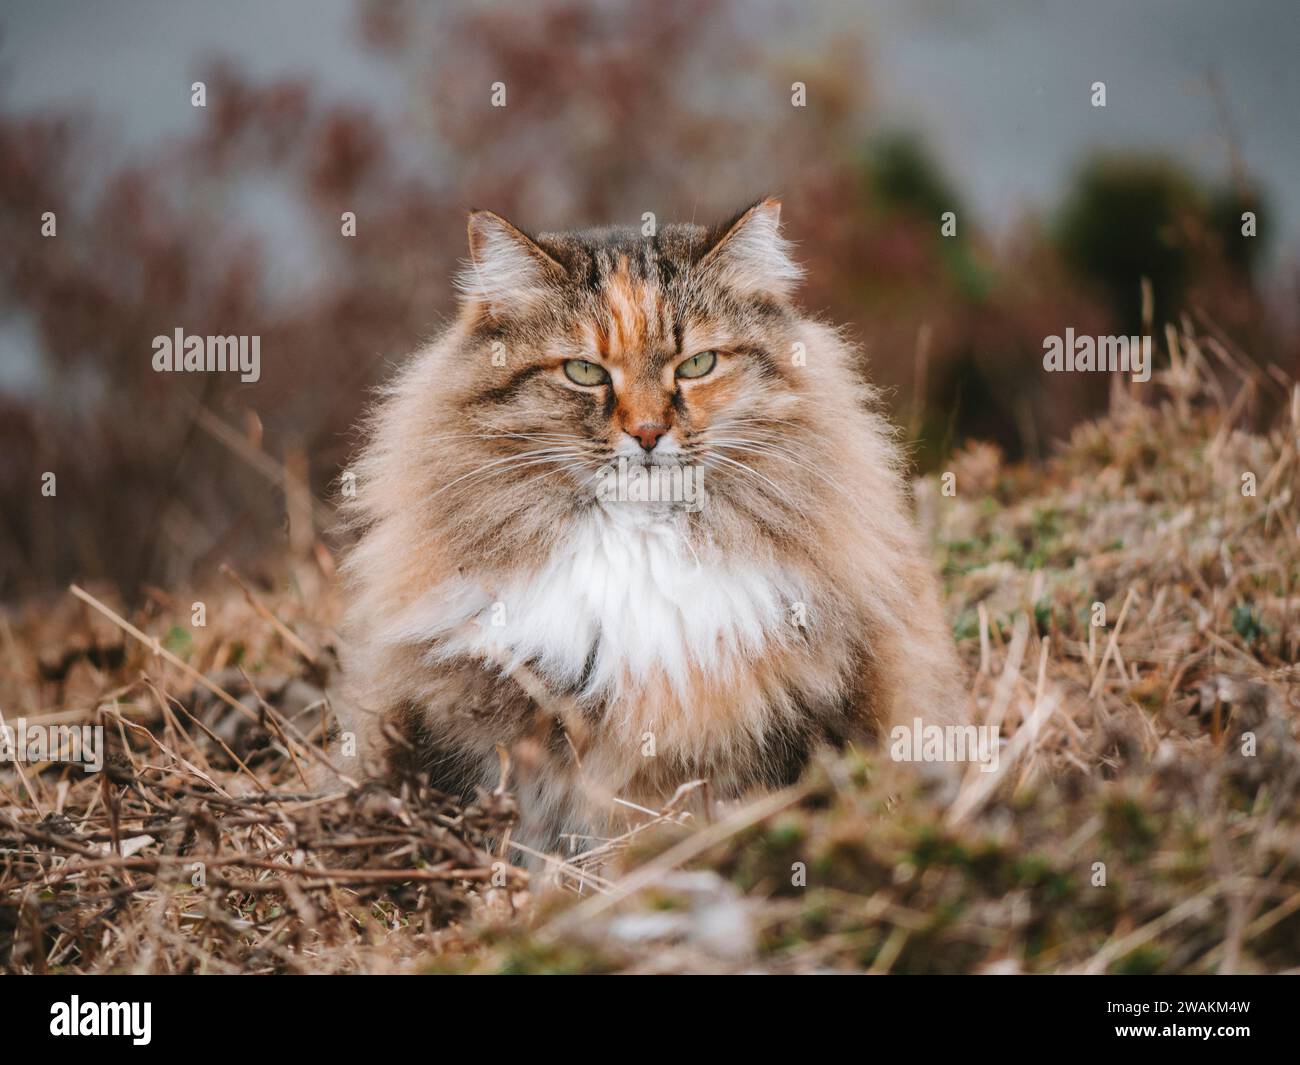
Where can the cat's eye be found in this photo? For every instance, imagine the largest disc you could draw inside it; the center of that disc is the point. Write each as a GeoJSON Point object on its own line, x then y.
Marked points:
{"type": "Point", "coordinates": [698, 365]}
{"type": "Point", "coordinates": [582, 372]}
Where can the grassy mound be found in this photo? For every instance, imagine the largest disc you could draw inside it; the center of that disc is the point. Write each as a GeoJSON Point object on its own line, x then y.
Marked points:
{"type": "Point", "coordinates": [1129, 617]}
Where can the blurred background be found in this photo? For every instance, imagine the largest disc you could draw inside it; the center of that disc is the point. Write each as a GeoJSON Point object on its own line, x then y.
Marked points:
{"type": "Point", "coordinates": [225, 219]}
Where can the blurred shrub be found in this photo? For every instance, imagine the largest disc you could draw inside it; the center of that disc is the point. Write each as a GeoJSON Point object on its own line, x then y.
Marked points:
{"type": "Point", "coordinates": [1125, 219]}
{"type": "Point", "coordinates": [681, 108]}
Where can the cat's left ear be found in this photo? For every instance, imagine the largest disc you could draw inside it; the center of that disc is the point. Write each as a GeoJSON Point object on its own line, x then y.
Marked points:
{"type": "Point", "coordinates": [507, 270]}
{"type": "Point", "coordinates": [750, 254]}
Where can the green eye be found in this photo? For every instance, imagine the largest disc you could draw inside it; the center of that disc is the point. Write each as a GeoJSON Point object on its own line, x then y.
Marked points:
{"type": "Point", "coordinates": [698, 365]}
{"type": "Point", "coordinates": [582, 372]}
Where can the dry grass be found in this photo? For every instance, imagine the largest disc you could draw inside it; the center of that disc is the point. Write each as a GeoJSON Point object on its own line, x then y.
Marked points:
{"type": "Point", "coordinates": [1128, 747]}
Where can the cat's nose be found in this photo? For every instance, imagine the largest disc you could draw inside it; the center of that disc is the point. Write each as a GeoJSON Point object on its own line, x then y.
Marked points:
{"type": "Point", "coordinates": [647, 434]}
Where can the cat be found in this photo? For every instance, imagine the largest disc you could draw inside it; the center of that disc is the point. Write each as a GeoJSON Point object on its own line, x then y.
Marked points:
{"type": "Point", "coordinates": [512, 611]}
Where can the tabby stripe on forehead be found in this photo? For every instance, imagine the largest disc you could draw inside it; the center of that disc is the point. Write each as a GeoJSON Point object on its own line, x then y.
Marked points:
{"type": "Point", "coordinates": [627, 309]}
{"type": "Point", "coordinates": [652, 311]}
{"type": "Point", "coordinates": [668, 269]}
{"type": "Point", "coordinates": [616, 319]}
{"type": "Point", "coordinates": [592, 276]}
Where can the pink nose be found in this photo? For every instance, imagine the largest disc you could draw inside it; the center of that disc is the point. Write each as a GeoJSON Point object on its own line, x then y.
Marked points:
{"type": "Point", "coordinates": [647, 435]}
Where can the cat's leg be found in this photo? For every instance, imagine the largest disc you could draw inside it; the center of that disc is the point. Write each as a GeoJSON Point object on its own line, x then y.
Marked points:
{"type": "Point", "coordinates": [918, 684]}
{"type": "Point", "coordinates": [465, 724]}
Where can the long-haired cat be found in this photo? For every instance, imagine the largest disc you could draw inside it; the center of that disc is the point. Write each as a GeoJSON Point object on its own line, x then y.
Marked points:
{"type": "Point", "coordinates": [633, 521]}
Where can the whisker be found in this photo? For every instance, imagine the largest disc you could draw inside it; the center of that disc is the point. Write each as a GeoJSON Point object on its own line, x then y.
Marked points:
{"type": "Point", "coordinates": [754, 473]}
{"type": "Point", "coordinates": [776, 451]}
{"type": "Point", "coordinates": [503, 465]}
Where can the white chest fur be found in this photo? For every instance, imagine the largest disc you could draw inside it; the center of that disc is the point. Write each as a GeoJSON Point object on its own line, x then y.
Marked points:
{"type": "Point", "coordinates": [625, 585]}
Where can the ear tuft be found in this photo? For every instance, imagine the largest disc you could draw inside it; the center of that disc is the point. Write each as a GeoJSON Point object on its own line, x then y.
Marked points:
{"type": "Point", "coordinates": [752, 256]}
{"type": "Point", "coordinates": [507, 270]}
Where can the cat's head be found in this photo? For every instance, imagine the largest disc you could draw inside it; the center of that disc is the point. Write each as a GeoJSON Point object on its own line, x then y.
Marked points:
{"type": "Point", "coordinates": [677, 349]}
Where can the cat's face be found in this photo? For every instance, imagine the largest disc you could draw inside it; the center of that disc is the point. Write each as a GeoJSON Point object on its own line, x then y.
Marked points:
{"type": "Point", "coordinates": [673, 350]}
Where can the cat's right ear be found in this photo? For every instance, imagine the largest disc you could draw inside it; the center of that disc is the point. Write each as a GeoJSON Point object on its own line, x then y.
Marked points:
{"type": "Point", "coordinates": [750, 255]}
{"type": "Point", "coordinates": [507, 271]}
